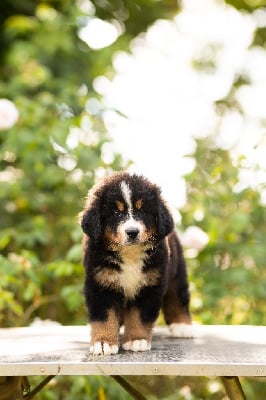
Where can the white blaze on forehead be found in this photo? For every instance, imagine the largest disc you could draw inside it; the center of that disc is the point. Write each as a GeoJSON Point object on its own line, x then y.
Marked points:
{"type": "Point", "coordinates": [126, 193]}
{"type": "Point", "coordinates": [130, 221]}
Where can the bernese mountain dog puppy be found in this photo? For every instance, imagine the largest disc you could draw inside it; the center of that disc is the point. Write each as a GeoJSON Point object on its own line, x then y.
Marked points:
{"type": "Point", "coordinates": [134, 264]}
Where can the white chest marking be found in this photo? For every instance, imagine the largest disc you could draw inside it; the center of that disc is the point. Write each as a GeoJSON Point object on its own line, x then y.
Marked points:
{"type": "Point", "coordinates": [132, 278]}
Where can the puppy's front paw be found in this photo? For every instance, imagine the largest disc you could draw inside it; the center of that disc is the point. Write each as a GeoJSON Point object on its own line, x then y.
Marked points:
{"type": "Point", "coordinates": [137, 345]}
{"type": "Point", "coordinates": [103, 348]}
{"type": "Point", "coordinates": [182, 330]}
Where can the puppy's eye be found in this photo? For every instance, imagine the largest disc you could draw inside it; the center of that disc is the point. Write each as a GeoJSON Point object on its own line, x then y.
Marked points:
{"type": "Point", "coordinates": [120, 206]}
{"type": "Point", "coordinates": [139, 204]}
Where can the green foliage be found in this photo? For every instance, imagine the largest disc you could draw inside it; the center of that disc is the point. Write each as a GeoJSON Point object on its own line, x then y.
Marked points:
{"type": "Point", "coordinates": [235, 254]}
{"type": "Point", "coordinates": [136, 15]}
{"type": "Point", "coordinates": [247, 5]}
{"type": "Point", "coordinates": [82, 388]}
{"type": "Point", "coordinates": [43, 185]}
{"type": "Point", "coordinates": [52, 156]}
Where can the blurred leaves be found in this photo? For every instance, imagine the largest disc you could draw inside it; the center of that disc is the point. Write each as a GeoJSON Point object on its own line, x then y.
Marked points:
{"type": "Point", "coordinates": [235, 223]}
{"type": "Point", "coordinates": [48, 160]}
{"type": "Point", "coordinates": [53, 155]}
{"type": "Point", "coordinates": [247, 5]}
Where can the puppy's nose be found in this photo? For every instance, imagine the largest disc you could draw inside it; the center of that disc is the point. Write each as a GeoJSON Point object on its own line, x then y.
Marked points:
{"type": "Point", "coordinates": [132, 232]}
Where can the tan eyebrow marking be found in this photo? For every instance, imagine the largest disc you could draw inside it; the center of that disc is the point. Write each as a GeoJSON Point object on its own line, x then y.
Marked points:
{"type": "Point", "coordinates": [139, 204]}
{"type": "Point", "coordinates": [120, 206]}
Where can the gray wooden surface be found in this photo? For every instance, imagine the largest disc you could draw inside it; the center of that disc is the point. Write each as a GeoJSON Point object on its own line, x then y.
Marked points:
{"type": "Point", "coordinates": [63, 350]}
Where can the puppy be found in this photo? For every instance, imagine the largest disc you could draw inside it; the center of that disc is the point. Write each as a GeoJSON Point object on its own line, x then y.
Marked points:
{"type": "Point", "coordinates": [134, 264]}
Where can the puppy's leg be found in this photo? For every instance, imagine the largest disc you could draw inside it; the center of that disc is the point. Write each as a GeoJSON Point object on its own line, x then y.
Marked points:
{"type": "Point", "coordinates": [139, 319]}
{"type": "Point", "coordinates": [105, 334]}
{"type": "Point", "coordinates": [138, 334]}
{"type": "Point", "coordinates": [176, 308]}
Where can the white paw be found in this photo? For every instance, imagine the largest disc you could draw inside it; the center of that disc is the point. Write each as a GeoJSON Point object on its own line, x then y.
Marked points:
{"type": "Point", "coordinates": [137, 345]}
{"type": "Point", "coordinates": [182, 330]}
{"type": "Point", "coordinates": [103, 348]}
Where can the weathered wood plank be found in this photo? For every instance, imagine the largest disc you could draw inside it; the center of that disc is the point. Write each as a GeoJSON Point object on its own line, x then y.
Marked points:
{"type": "Point", "coordinates": [63, 350]}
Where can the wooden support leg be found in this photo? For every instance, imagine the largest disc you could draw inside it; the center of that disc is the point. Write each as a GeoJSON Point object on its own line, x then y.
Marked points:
{"type": "Point", "coordinates": [128, 387]}
{"type": "Point", "coordinates": [233, 388]}
{"type": "Point", "coordinates": [9, 387]}
{"type": "Point", "coordinates": [18, 387]}
{"type": "Point", "coordinates": [30, 395]}
{"type": "Point", "coordinates": [13, 387]}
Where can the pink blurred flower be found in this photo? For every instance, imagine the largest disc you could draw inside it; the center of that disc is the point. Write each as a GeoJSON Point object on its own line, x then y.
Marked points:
{"type": "Point", "coordinates": [195, 238]}
{"type": "Point", "coordinates": [8, 114]}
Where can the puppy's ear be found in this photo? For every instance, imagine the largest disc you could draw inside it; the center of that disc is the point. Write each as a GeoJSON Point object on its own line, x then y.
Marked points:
{"type": "Point", "coordinates": [165, 221]}
{"type": "Point", "coordinates": [90, 221]}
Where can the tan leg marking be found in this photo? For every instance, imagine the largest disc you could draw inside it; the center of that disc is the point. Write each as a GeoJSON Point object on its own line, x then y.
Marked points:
{"type": "Point", "coordinates": [105, 335]}
{"type": "Point", "coordinates": [173, 311]}
{"type": "Point", "coordinates": [138, 335]}
{"type": "Point", "coordinates": [177, 316]}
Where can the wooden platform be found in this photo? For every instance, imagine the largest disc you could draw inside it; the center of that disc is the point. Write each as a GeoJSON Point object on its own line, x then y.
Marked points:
{"type": "Point", "coordinates": [63, 350]}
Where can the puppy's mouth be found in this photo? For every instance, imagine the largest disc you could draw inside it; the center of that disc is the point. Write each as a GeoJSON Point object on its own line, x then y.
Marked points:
{"type": "Point", "coordinates": [128, 236]}
{"type": "Point", "coordinates": [146, 238]}
{"type": "Point", "coordinates": [122, 237]}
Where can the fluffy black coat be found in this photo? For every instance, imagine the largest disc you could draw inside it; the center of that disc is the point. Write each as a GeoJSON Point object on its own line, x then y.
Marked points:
{"type": "Point", "coordinates": [134, 264]}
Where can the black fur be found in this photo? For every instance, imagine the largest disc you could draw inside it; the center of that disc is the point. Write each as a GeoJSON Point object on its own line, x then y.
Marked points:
{"type": "Point", "coordinates": [163, 267]}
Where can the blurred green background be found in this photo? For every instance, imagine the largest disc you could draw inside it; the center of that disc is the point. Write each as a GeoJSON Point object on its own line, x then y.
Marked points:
{"type": "Point", "coordinates": [48, 72]}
